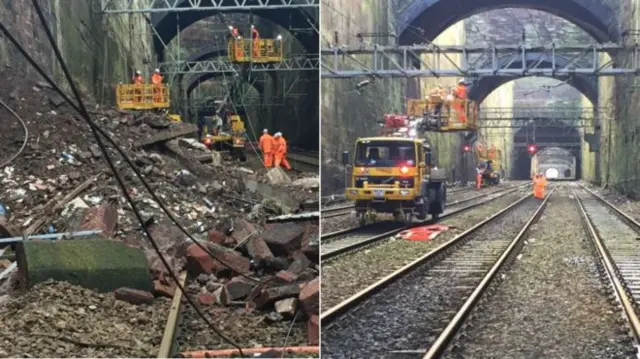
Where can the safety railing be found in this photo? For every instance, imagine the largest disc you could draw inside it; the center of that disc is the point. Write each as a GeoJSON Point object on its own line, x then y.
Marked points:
{"type": "Point", "coordinates": [260, 51]}
{"type": "Point", "coordinates": [142, 97]}
{"type": "Point", "coordinates": [448, 115]}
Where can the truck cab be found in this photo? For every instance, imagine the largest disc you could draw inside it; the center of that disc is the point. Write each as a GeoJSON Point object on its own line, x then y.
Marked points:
{"type": "Point", "coordinates": [395, 175]}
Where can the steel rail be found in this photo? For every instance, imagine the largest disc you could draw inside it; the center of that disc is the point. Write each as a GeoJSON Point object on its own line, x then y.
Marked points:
{"type": "Point", "coordinates": [439, 346]}
{"type": "Point", "coordinates": [349, 303]}
{"type": "Point", "coordinates": [627, 218]}
{"type": "Point", "coordinates": [421, 223]}
{"type": "Point", "coordinates": [613, 272]}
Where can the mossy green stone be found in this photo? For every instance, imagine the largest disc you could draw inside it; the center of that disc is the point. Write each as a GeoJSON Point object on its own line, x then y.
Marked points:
{"type": "Point", "coordinates": [98, 264]}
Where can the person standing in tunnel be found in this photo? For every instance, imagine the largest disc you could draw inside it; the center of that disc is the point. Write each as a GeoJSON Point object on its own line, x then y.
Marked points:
{"type": "Point", "coordinates": [266, 145]}
{"type": "Point", "coordinates": [460, 102]}
{"type": "Point", "coordinates": [138, 82]}
{"type": "Point", "coordinates": [280, 151]}
{"type": "Point", "coordinates": [156, 80]}
{"type": "Point", "coordinates": [539, 184]}
{"type": "Point", "coordinates": [255, 38]}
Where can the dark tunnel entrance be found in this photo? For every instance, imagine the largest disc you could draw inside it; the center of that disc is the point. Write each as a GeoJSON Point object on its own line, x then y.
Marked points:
{"type": "Point", "coordinates": [553, 135]}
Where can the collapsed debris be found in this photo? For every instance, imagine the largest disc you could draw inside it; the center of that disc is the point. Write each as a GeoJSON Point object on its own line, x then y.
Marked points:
{"type": "Point", "coordinates": [61, 183]}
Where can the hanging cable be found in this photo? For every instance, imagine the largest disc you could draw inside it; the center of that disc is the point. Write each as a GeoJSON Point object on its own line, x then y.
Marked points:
{"type": "Point", "coordinates": [26, 134]}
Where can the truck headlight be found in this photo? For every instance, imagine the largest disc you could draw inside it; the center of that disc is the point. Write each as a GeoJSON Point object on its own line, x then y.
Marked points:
{"type": "Point", "coordinates": [404, 192]}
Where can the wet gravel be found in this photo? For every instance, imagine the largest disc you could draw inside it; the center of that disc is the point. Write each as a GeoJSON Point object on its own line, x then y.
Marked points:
{"type": "Point", "coordinates": [409, 313]}
{"type": "Point", "coordinates": [552, 302]}
{"type": "Point", "coordinates": [346, 275]}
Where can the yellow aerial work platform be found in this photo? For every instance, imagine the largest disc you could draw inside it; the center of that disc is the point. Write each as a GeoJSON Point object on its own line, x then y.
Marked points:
{"type": "Point", "coordinates": [142, 97]}
{"type": "Point", "coordinates": [266, 51]}
{"type": "Point", "coordinates": [441, 115]}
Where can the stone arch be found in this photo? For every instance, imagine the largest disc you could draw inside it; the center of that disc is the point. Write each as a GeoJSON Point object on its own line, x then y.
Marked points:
{"type": "Point", "coordinates": [197, 79]}
{"type": "Point", "coordinates": [426, 19]}
{"type": "Point", "coordinates": [481, 88]}
{"type": "Point", "coordinates": [168, 24]}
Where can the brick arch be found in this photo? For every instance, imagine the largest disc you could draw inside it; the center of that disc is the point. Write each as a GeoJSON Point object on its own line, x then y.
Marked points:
{"type": "Point", "coordinates": [195, 81]}
{"type": "Point", "coordinates": [481, 88]}
{"type": "Point", "coordinates": [424, 20]}
{"type": "Point", "coordinates": [167, 24]}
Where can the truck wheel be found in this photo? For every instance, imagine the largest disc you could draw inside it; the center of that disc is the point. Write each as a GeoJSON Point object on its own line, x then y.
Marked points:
{"type": "Point", "coordinates": [436, 193]}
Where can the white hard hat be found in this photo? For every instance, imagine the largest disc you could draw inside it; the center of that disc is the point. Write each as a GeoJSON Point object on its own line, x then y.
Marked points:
{"type": "Point", "coordinates": [139, 72]}
{"type": "Point", "coordinates": [252, 26]}
{"type": "Point", "coordinates": [279, 134]}
{"type": "Point", "coordinates": [230, 27]}
{"type": "Point", "coordinates": [157, 70]}
{"type": "Point", "coordinates": [461, 81]}
{"type": "Point", "coordinates": [265, 131]}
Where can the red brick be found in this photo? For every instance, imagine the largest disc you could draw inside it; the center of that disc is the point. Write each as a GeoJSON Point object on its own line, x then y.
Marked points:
{"type": "Point", "coordinates": [284, 238]}
{"type": "Point", "coordinates": [241, 230]}
{"type": "Point", "coordinates": [162, 289]}
{"type": "Point", "coordinates": [300, 263]}
{"type": "Point", "coordinates": [206, 299]}
{"type": "Point", "coordinates": [237, 262]}
{"type": "Point", "coordinates": [104, 217]}
{"type": "Point", "coordinates": [198, 261]}
{"type": "Point", "coordinates": [134, 296]}
{"type": "Point", "coordinates": [270, 295]}
{"type": "Point", "coordinates": [287, 277]}
{"type": "Point", "coordinates": [216, 237]}
{"type": "Point", "coordinates": [239, 287]}
{"type": "Point", "coordinates": [310, 297]}
{"type": "Point", "coordinates": [313, 330]}
{"type": "Point", "coordinates": [259, 251]}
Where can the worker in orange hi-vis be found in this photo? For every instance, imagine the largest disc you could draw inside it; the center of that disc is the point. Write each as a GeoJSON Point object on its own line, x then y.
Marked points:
{"type": "Point", "coordinates": [479, 177]}
{"type": "Point", "coordinates": [460, 93]}
{"type": "Point", "coordinates": [267, 146]}
{"type": "Point", "coordinates": [138, 81]}
{"type": "Point", "coordinates": [156, 80]}
{"type": "Point", "coordinates": [539, 184]}
{"type": "Point", "coordinates": [255, 36]}
{"type": "Point", "coordinates": [280, 151]}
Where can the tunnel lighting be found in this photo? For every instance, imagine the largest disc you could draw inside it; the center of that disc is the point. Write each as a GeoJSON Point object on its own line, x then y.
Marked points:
{"type": "Point", "coordinates": [279, 37]}
{"type": "Point", "coordinates": [532, 148]}
{"type": "Point", "coordinates": [404, 170]}
{"type": "Point", "coordinates": [466, 148]}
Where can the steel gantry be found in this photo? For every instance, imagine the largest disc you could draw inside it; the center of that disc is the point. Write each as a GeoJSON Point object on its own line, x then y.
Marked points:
{"type": "Point", "coordinates": [156, 6]}
{"type": "Point", "coordinates": [401, 61]}
{"type": "Point", "coordinates": [518, 117]}
{"type": "Point", "coordinates": [225, 66]}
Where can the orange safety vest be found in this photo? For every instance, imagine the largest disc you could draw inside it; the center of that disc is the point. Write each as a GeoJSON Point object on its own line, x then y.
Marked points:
{"type": "Point", "coordinates": [280, 146]}
{"type": "Point", "coordinates": [266, 143]}
{"type": "Point", "coordinates": [255, 34]}
{"type": "Point", "coordinates": [138, 80]}
{"type": "Point", "coordinates": [156, 79]}
{"type": "Point", "coordinates": [461, 92]}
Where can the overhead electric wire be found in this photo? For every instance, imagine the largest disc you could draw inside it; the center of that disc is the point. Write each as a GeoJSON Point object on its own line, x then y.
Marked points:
{"type": "Point", "coordinates": [26, 134]}
{"type": "Point", "coordinates": [119, 180]}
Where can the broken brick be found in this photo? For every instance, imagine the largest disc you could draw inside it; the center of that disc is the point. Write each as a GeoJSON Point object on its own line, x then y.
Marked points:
{"type": "Point", "coordinates": [242, 230]}
{"type": "Point", "coordinates": [284, 238]}
{"type": "Point", "coordinates": [313, 330]}
{"type": "Point", "coordinates": [104, 217]}
{"type": "Point", "coordinates": [310, 297]}
{"type": "Point", "coordinates": [313, 253]}
{"type": "Point", "coordinates": [285, 276]}
{"type": "Point", "coordinates": [259, 251]}
{"type": "Point", "coordinates": [206, 299]}
{"type": "Point", "coordinates": [134, 296]}
{"type": "Point", "coordinates": [170, 239]}
{"type": "Point", "coordinates": [216, 237]}
{"type": "Point", "coordinates": [199, 261]}
{"type": "Point", "coordinates": [300, 263]}
{"type": "Point", "coordinates": [286, 307]}
{"type": "Point", "coordinates": [222, 296]}
{"type": "Point", "coordinates": [270, 295]}
{"type": "Point", "coordinates": [162, 289]}
{"type": "Point", "coordinates": [239, 288]}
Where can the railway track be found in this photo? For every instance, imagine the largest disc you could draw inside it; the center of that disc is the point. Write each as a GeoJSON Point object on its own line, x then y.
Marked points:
{"type": "Point", "coordinates": [304, 162]}
{"type": "Point", "coordinates": [614, 236]}
{"type": "Point", "coordinates": [424, 303]}
{"type": "Point", "coordinates": [344, 241]}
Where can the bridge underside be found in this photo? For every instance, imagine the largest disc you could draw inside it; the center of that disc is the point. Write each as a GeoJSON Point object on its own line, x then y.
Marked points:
{"type": "Point", "coordinates": [426, 19]}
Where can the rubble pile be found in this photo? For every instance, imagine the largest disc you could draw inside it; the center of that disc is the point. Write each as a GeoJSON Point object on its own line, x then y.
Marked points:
{"type": "Point", "coordinates": [60, 320]}
{"type": "Point", "coordinates": [61, 183]}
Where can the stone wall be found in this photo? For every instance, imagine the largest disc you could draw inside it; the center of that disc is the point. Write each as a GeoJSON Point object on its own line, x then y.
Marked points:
{"type": "Point", "coordinates": [100, 50]}
{"type": "Point", "coordinates": [346, 114]}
